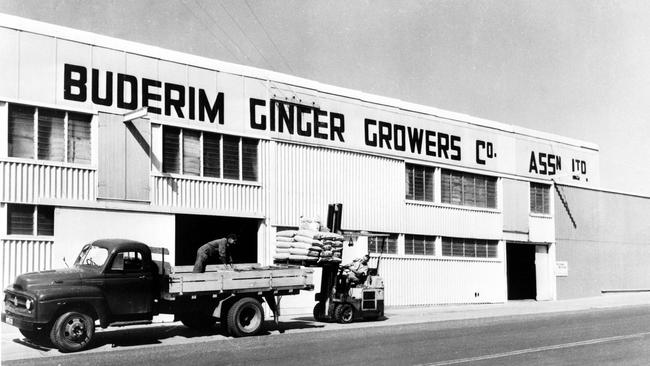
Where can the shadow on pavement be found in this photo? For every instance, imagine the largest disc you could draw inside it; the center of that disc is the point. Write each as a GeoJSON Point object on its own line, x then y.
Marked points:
{"type": "Point", "coordinates": [311, 319]}
{"type": "Point", "coordinates": [156, 334]}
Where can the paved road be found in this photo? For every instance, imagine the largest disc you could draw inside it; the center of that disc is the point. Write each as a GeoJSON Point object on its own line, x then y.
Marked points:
{"type": "Point", "coordinates": [602, 337]}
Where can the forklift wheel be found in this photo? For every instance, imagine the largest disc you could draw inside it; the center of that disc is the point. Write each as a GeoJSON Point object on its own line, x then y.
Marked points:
{"type": "Point", "coordinates": [319, 312]}
{"type": "Point", "coordinates": [344, 313]}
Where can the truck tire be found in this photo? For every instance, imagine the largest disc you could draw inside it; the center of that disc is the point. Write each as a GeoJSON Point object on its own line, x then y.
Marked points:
{"type": "Point", "coordinates": [198, 321]}
{"type": "Point", "coordinates": [344, 313]}
{"type": "Point", "coordinates": [319, 312]}
{"type": "Point", "coordinates": [245, 317]}
{"type": "Point", "coordinates": [72, 331]}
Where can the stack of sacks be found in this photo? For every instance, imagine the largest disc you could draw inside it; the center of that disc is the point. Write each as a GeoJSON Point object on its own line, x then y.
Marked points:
{"type": "Point", "coordinates": [324, 246]}
{"type": "Point", "coordinates": [283, 241]}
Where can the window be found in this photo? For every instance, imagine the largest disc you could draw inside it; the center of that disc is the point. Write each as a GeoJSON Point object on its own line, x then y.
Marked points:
{"type": "Point", "coordinates": [467, 189]}
{"type": "Point", "coordinates": [474, 248]}
{"type": "Point", "coordinates": [49, 134]}
{"type": "Point", "coordinates": [419, 244]}
{"type": "Point", "coordinates": [419, 183]}
{"type": "Point", "coordinates": [30, 220]}
{"type": "Point", "coordinates": [209, 154]}
{"type": "Point", "coordinates": [375, 244]}
{"type": "Point", "coordinates": [540, 195]}
{"type": "Point", "coordinates": [127, 261]}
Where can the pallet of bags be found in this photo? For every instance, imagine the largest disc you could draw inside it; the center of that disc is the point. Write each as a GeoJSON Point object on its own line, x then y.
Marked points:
{"type": "Point", "coordinates": [283, 241]}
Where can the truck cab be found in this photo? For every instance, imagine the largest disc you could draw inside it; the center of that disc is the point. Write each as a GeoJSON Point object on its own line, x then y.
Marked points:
{"type": "Point", "coordinates": [111, 280]}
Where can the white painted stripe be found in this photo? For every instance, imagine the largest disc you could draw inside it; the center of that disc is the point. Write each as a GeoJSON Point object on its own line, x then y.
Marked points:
{"type": "Point", "coordinates": [538, 349]}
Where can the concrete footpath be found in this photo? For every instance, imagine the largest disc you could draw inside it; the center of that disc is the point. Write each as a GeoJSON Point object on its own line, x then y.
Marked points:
{"type": "Point", "coordinates": [14, 346]}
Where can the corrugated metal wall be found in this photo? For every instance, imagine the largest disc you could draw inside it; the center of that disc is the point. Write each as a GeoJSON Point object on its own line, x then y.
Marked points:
{"type": "Point", "coordinates": [224, 197]}
{"type": "Point", "coordinates": [452, 221]}
{"type": "Point", "coordinates": [207, 195]}
{"type": "Point", "coordinates": [28, 182]}
{"type": "Point", "coordinates": [21, 256]}
{"type": "Point", "coordinates": [428, 281]}
{"type": "Point", "coordinates": [370, 188]}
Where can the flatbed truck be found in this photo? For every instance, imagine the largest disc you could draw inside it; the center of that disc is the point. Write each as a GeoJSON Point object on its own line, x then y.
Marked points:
{"type": "Point", "coordinates": [116, 282]}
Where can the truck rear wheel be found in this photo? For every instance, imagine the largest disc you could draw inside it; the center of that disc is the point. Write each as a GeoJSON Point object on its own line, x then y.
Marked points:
{"type": "Point", "coordinates": [72, 331]}
{"type": "Point", "coordinates": [344, 313]}
{"type": "Point", "coordinates": [245, 317]}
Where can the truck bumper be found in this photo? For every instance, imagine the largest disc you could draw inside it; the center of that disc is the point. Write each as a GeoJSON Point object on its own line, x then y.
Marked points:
{"type": "Point", "coordinates": [21, 322]}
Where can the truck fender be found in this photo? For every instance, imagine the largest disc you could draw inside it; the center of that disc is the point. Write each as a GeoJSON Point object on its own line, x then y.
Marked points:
{"type": "Point", "coordinates": [222, 307]}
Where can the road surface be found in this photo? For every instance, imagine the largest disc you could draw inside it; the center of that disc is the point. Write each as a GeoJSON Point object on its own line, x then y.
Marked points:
{"type": "Point", "coordinates": [594, 337]}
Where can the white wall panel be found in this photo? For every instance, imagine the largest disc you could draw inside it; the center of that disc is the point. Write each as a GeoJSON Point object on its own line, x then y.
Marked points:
{"type": "Point", "coordinates": [22, 256]}
{"type": "Point", "coordinates": [37, 68]}
{"type": "Point", "coordinates": [452, 221]}
{"type": "Point", "coordinates": [9, 61]}
{"type": "Point", "coordinates": [29, 182]}
{"type": "Point", "coordinates": [370, 188]}
{"type": "Point", "coordinates": [428, 281]}
{"type": "Point", "coordinates": [542, 229]}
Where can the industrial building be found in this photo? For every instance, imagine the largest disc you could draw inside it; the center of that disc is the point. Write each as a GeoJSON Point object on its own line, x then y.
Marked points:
{"type": "Point", "coordinates": [102, 137]}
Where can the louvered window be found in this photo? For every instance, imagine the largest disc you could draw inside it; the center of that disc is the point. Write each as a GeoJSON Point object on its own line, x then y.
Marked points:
{"type": "Point", "coordinates": [419, 183]}
{"type": "Point", "coordinates": [465, 189]}
{"type": "Point", "coordinates": [41, 133]}
{"type": "Point", "coordinates": [419, 244]}
{"type": "Point", "coordinates": [30, 220]}
{"type": "Point", "coordinates": [191, 152]}
{"type": "Point", "coordinates": [473, 248]}
{"type": "Point", "coordinates": [209, 154]}
{"type": "Point", "coordinates": [540, 198]}
{"type": "Point", "coordinates": [377, 244]}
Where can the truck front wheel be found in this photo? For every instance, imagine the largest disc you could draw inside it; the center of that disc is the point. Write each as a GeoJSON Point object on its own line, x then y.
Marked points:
{"type": "Point", "coordinates": [245, 317]}
{"type": "Point", "coordinates": [72, 331]}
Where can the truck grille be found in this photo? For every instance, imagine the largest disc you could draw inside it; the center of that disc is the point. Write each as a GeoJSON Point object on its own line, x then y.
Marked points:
{"type": "Point", "coordinates": [16, 302]}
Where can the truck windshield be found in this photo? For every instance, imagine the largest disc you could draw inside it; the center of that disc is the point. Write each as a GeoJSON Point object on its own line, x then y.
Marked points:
{"type": "Point", "coordinates": [92, 256]}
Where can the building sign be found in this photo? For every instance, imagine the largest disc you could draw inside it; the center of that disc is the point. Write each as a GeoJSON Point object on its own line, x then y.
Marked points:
{"type": "Point", "coordinates": [561, 269]}
{"type": "Point", "coordinates": [89, 77]}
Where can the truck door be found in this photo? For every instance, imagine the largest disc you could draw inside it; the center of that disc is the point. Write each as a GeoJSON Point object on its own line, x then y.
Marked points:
{"type": "Point", "coordinates": [128, 285]}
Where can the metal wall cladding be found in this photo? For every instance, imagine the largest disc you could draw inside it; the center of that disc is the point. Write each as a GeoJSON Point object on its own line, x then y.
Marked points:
{"type": "Point", "coordinates": [28, 182]}
{"type": "Point", "coordinates": [208, 195]}
{"type": "Point", "coordinates": [204, 194]}
{"type": "Point", "coordinates": [462, 222]}
{"type": "Point", "coordinates": [22, 256]}
{"type": "Point", "coordinates": [431, 281]}
{"type": "Point", "coordinates": [307, 179]}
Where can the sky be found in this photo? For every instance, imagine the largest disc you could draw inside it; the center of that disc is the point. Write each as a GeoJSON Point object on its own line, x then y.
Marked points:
{"type": "Point", "coordinates": [580, 69]}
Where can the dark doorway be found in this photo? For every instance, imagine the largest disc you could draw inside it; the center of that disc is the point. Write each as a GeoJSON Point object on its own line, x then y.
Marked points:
{"type": "Point", "coordinates": [192, 231]}
{"type": "Point", "coordinates": [521, 271]}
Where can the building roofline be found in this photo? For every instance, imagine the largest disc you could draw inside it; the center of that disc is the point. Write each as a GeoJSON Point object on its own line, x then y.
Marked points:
{"type": "Point", "coordinates": [71, 34]}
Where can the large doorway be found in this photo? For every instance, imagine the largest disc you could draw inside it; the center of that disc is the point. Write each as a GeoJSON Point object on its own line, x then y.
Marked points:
{"type": "Point", "coordinates": [192, 231]}
{"type": "Point", "coordinates": [521, 274]}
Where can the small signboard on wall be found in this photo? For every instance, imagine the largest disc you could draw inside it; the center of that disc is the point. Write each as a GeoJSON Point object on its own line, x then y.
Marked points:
{"type": "Point", "coordinates": [561, 268]}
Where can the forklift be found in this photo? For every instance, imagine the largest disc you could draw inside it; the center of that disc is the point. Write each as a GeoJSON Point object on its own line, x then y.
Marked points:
{"type": "Point", "coordinates": [342, 301]}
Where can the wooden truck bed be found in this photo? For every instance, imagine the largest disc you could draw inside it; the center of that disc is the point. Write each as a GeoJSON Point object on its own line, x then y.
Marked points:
{"type": "Point", "coordinates": [243, 278]}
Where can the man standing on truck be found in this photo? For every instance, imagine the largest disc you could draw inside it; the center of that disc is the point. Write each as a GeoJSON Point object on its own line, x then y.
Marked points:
{"type": "Point", "coordinates": [217, 247]}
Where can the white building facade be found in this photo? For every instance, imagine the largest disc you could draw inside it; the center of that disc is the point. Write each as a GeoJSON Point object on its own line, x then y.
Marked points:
{"type": "Point", "coordinates": [108, 138]}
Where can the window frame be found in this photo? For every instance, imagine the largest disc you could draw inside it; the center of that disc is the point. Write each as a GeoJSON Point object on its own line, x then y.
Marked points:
{"type": "Point", "coordinates": [545, 189]}
{"type": "Point", "coordinates": [425, 245]}
{"type": "Point", "coordinates": [469, 242]}
{"type": "Point", "coordinates": [240, 160]}
{"type": "Point", "coordinates": [66, 142]}
{"type": "Point", "coordinates": [36, 223]}
{"type": "Point", "coordinates": [392, 236]}
{"type": "Point", "coordinates": [461, 201]}
{"type": "Point", "coordinates": [411, 169]}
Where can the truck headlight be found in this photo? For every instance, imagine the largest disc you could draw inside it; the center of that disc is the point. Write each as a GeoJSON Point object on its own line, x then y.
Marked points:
{"type": "Point", "coordinates": [29, 304]}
